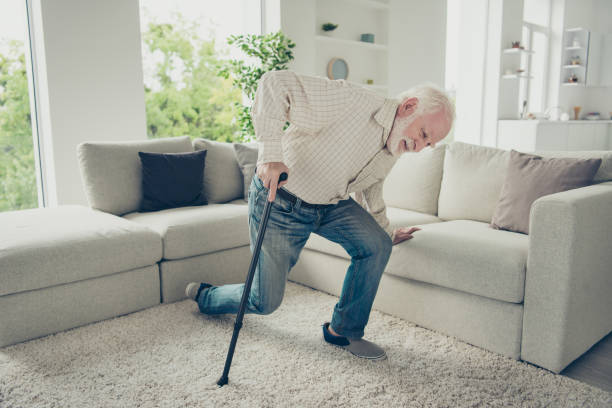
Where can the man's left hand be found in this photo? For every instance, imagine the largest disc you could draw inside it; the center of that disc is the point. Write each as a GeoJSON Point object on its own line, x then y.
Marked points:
{"type": "Point", "coordinates": [403, 234]}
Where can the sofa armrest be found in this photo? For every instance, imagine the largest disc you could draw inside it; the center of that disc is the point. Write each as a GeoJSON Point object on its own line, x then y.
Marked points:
{"type": "Point", "coordinates": [568, 284]}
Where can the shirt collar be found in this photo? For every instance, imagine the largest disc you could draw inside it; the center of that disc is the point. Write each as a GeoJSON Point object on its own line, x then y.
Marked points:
{"type": "Point", "coordinates": [386, 115]}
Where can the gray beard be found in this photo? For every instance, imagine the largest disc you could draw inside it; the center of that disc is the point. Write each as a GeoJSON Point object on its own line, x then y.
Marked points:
{"type": "Point", "coordinates": [396, 132]}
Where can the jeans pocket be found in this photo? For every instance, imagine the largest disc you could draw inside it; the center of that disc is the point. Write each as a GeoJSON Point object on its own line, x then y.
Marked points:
{"type": "Point", "coordinates": [258, 183]}
{"type": "Point", "coordinates": [282, 205]}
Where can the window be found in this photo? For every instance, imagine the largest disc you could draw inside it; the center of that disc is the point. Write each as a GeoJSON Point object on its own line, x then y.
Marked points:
{"type": "Point", "coordinates": [18, 144]}
{"type": "Point", "coordinates": [183, 43]}
{"type": "Point", "coordinates": [536, 37]}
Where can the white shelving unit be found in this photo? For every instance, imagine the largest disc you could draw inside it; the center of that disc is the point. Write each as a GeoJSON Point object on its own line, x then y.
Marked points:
{"type": "Point", "coordinates": [575, 48]}
{"type": "Point", "coordinates": [354, 17]}
{"type": "Point", "coordinates": [514, 64]}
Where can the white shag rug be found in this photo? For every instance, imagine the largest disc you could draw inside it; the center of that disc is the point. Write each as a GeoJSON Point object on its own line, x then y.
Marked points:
{"type": "Point", "coordinates": [171, 356]}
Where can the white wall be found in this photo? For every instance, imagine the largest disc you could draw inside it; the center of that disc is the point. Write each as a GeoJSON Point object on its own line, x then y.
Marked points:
{"type": "Point", "coordinates": [297, 21]}
{"type": "Point", "coordinates": [470, 83]}
{"type": "Point", "coordinates": [417, 43]}
{"type": "Point", "coordinates": [486, 27]}
{"type": "Point", "coordinates": [93, 88]}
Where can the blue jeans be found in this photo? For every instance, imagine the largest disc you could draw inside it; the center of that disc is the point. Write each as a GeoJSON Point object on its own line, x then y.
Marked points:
{"type": "Point", "coordinates": [288, 229]}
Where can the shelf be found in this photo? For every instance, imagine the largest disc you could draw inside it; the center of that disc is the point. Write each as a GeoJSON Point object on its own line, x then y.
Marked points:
{"type": "Point", "coordinates": [369, 3]}
{"type": "Point", "coordinates": [517, 51]}
{"type": "Point", "coordinates": [516, 76]}
{"type": "Point", "coordinates": [574, 66]}
{"type": "Point", "coordinates": [574, 48]}
{"type": "Point", "coordinates": [372, 46]}
{"type": "Point", "coordinates": [571, 30]}
{"type": "Point", "coordinates": [381, 87]}
{"type": "Point", "coordinates": [572, 83]}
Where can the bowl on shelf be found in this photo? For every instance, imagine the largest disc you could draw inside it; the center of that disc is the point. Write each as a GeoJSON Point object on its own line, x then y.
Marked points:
{"type": "Point", "coordinates": [593, 116]}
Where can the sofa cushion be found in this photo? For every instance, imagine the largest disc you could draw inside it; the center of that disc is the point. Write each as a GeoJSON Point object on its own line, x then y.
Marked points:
{"type": "Point", "coordinates": [465, 255]}
{"type": "Point", "coordinates": [472, 181]}
{"type": "Point", "coordinates": [112, 173]}
{"type": "Point", "coordinates": [43, 247]}
{"type": "Point", "coordinates": [414, 181]}
{"type": "Point", "coordinates": [530, 177]}
{"type": "Point", "coordinates": [246, 155]}
{"type": "Point", "coordinates": [398, 217]}
{"type": "Point", "coordinates": [222, 175]}
{"type": "Point", "coordinates": [191, 231]}
{"type": "Point", "coordinates": [171, 180]}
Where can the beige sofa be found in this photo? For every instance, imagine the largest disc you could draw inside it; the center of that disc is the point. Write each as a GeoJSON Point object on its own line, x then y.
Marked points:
{"type": "Point", "coordinates": [542, 298]}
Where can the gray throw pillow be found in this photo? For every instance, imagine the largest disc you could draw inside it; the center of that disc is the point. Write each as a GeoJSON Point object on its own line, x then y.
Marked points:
{"type": "Point", "coordinates": [246, 154]}
{"type": "Point", "coordinates": [222, 176]}
{"type": "Point", "coordinates": [530, 177]}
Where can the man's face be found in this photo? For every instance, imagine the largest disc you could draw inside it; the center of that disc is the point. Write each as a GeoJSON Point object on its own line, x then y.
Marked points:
{"type": "Point", "coordinates": [410, 133]}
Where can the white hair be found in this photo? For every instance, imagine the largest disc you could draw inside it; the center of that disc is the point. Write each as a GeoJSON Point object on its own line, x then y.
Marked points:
{"type": "Point", "coordinates": [431, 100]}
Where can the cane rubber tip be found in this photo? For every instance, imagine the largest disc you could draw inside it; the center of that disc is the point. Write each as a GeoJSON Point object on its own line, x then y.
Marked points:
{"type": "Point", "coordinates": [222, 381]}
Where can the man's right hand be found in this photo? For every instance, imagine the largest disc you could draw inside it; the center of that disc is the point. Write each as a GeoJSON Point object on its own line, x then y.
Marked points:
{"type": "Point", "coordinates": [269, 174]}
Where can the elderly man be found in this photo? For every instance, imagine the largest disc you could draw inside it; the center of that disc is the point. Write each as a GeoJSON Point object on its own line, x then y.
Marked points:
{"type": "Point", "coordinates": [342, 139]}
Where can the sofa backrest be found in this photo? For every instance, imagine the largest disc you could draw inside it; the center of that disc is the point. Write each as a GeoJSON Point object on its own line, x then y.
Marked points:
{"type": "Point", "coordinates": [474, 175]}
{"type": "Point", "coordinates": [414, 181]}
{"type": "Point", "coordinates": [112, 172]}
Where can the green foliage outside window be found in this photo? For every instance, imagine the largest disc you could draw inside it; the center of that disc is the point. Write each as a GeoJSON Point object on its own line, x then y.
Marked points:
{"type": "Point", "coordinates": [188, 97]}
{"type": "Point", "coordinates": [273, 52]}
{"type": "Point", "coordinates": [18, 188]}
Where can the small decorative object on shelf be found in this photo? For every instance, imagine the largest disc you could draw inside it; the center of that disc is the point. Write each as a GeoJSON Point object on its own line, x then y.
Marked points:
{"type": "Point", "coordinates": [564, 117]}
{"type": "Point", "coordinates": [327, 27]}
{"type": "Point", "coordinates": [577, 112]}
{"type": "Point", "coordinates": [573, 79]}
{"type": "Point", "coordinates": [575, 60]}
{"type": "Point", "coordinates": [337, 68]}
{"type": "Point", "coordinates": [592, 116]}
{"type": "Point", "coordinates": [369, 81]}
{"type": "Point", "coordinates": [520, 71]}
{"type": "Point", "coordinates": [517, 44]}
{"type": "Point", "coordinates": [576, 43]}
{"type": "Point", "coordinates": [367, 37]}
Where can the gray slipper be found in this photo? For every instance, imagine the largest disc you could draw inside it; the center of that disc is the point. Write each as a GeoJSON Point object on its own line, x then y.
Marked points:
{"type": "Point", "coordinates": [358, 347]}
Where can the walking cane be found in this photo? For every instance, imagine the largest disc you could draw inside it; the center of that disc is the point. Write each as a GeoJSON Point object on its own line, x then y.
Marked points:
{"type": "Point", "coordinates": [247, 287]}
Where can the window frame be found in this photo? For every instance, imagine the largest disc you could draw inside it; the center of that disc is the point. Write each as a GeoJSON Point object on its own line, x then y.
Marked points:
{"type": "Point", "coordinates": [526, 86]}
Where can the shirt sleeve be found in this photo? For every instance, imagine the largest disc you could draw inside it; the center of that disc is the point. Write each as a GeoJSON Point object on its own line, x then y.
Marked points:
{"type": "Point", "coordinates": [310, 103]}
{"type": "Point", "coordinates": [376, 206]}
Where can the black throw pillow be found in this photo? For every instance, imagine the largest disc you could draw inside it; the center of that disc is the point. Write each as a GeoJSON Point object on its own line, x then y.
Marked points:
{"type": "Point", "coordinates": [171, 180]}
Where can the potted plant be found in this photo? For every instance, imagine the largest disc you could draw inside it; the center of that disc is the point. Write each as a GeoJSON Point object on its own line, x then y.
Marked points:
{"type": "Point", "coordinates": [328, 28]}
{"type": "Point", "coordinates": [273, 52]}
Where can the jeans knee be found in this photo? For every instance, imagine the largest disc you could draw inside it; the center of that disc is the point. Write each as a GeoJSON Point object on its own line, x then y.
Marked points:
{"type": "Point", "coordinates": [386, 246]}
{"type": "Point", "coordinates": [265, 306]}
{"type": "Point", "coordinates": [379, 247]}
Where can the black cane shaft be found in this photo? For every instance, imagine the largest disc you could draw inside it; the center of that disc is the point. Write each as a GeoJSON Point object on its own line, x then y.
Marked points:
{"type": "Point", "coordinates": [247, 288]}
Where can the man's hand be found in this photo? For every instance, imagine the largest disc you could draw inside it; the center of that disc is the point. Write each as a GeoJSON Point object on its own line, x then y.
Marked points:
{"type": "Point", "coordinates": [403, 234]}
{"type": "Point", "coordinates": [269, 173]}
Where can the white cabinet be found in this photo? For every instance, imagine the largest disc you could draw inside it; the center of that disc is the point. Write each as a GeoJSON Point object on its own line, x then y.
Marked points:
{"type": "Point", "coordinates": [532, 135]}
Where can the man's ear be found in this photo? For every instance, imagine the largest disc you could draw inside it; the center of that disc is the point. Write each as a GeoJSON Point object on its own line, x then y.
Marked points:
{"type": "Point", "coordinates": [408, 106]}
